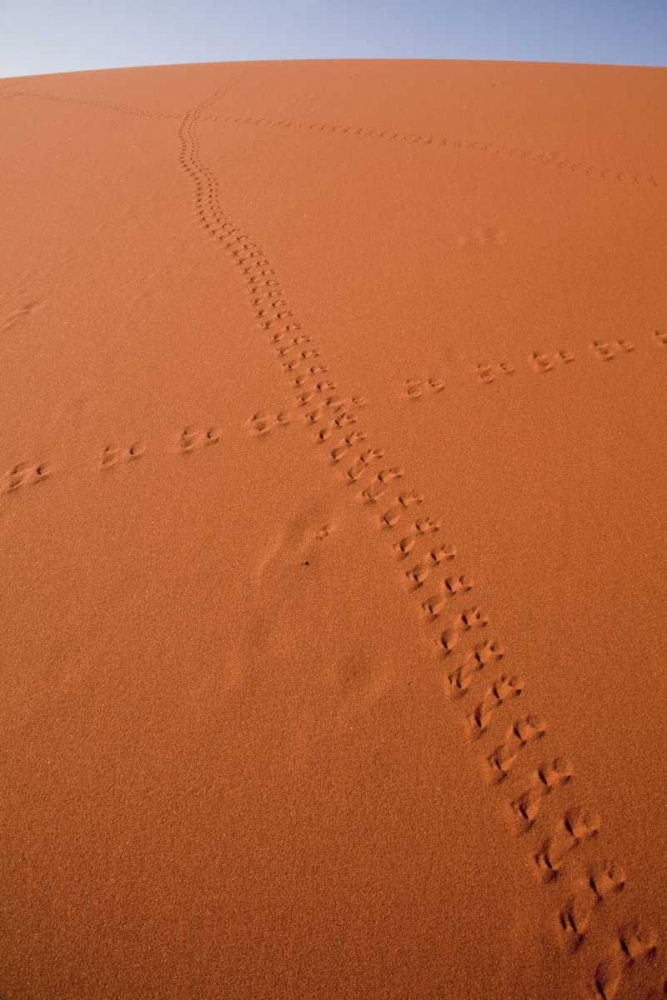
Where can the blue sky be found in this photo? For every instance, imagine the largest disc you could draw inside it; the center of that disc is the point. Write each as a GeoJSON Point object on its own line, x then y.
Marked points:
{"type": "Point", "coordinates": [49, 36]}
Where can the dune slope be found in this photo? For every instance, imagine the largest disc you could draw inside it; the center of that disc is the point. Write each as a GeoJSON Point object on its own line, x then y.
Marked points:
{"type": "Point", "coordinates": [332, 492]}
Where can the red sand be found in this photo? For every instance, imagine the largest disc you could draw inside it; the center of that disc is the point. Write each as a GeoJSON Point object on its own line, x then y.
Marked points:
{"type": "Point", "coordinates": [332, 531]}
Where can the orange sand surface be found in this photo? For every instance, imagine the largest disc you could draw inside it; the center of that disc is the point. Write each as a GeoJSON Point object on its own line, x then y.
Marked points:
{"type": "Point", "coordinates": [332, 532]}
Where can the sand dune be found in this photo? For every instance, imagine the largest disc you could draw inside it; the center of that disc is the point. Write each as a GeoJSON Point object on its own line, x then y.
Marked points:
{"type": "Point", "coordinates": [332, 492]}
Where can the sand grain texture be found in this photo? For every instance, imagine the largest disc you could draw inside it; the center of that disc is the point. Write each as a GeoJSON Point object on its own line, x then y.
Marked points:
{"type": "Point", "coordinates": [332, 504]}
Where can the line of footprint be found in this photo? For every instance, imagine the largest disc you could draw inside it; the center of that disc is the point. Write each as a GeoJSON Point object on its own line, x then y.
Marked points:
{"type": "Point", "coordinates": [539, 157]}
{"type": "Point", "coordinates": [576, 167]}
{"type": "Point", "coordinates": [261, 423]}
{"type": "Point", "coordinates": [86, 102]}
{"type": "Point", "coordinates": [191, 439]}
{"type": "Point", "coordinates": [472, 674]}
{"type": "Point", "coordinates": [541, 362]}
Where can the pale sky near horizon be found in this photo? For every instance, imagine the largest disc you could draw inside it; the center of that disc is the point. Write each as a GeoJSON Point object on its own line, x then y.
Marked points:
{"type": "Point", "coordinates": [53, 36]}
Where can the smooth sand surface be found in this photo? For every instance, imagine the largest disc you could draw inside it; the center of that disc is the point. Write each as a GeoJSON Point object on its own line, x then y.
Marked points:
{"type": "Point", "coordinates": [332, 532]}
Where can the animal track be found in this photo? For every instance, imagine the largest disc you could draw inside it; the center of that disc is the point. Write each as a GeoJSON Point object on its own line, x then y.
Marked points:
{"type": "Point", "coordinates": [502, 690]}
{"type": "Point", "coordinates": [607, 351]}
{"type": "Point", "coordinates": [262, 423]}
{"type": "Point", "coordinates": [436, 557]}
{"type": "Point", "coordinates": [193, 439]}
{"type": "Point", "coordinates": [348, 442]}
{"type": "Point", "coordinates": [460, 680]}
{"type": "Point", "coordinates": [113, 455]}
{"type": "Point", "coordinates": [457, 584]}
{"type": "Point", "coordinates": [471, 618]}
{"type": "Point", "coordinates": [325, 413]}
{"type": "Point", "coordinates": [415, 387]}
{"type": "Point", "coordinates": [366, 459]}
{"type": "Point", "coordinates": [381, 484]}
{"type": "Point", "coordinates": [487, 372]}
{"type": "Point", "coordinates": [520, 735]}
{"type": "Point", "coordinates": [314, 394]}
{"type": "Point", "coordinates": [121, 109]}
{"type": "Point", "coordinates": [577, 826]}
{"type": "Point", "coordinates": [483, 236]}
{"type": "Point", "coordinates": [634, 942]}
{"type": "Point", "coordinates": [452, 585]}
{"type": "Point", "coordinates": [299, 361]}
{"type": "Point", "coordinates": [543, 363]}
{"type": "Point", "coordinates": [23, 474]}
{"type": "Point", "coordinates": [548, 777]}
{"type": "Point", "coordinates": [605, 880]}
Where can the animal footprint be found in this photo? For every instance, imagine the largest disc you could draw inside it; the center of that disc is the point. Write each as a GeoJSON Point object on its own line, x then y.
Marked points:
{"type": "Point", "coordinates": [461, 678]}
{"type": "Point", "coordinates": [323, 533]}
{"type": "Point", "coordinates": [113, 455]}
{"type": "Point", "coordinates": [520, 735]}
{"type": "Point", "coordinates": [391, 517]}
{"type": "Point", "coordinates": [262, 423]}
{"type": "Point", "coordinates": [606, 879]}
{"type": "Point", "coordinates": [660, 337]}
{"type": "Point", "coordinates": [425, 526]}
{"type": "Point", "coordinates": [548, 777]}
{"type": "Point", "coordinates": [442, 553]}
{"type": "Point", "coordinates": [457, 584]}
{"type": "Point", "coordinates": [211, 435]}
{"type": "Point", "coordinates": [543, 363]}
{"type": "Point", "coordinates": [488, 371]}
{"type": "Point", "coordinates": [330, 403]}
{"type": "Point", "coordinates": [363, 462]}
{"type": "Point", "coordinates": [348, 442]}
{"type": "Point", "coordinates": [380, 485]}
{"type": "Point", "coordinates": [452, 585]}
{"type": "Point", "coordinates": [502, 690]}
{"type": "Point", "coordinates": [418, 574]}
{"type": "Point", "coordinates": [343, 418]}
{"type": "Point", "coordinates": [388, 475]}
{"type": "Point", "coordinates": [373, 492]}
{"type": "Point", "coordinates": [320, 387]}
{"type": "Point", "coordinates": [191, 438]}
{"type": "Point", "coordinates": [23, 474]}
{"type": "Point", "coordinates": [607, 351]}
{"type": "Point", "coordinates": [415, 387]}
{"type": "Point", "coordinates": [473, 617]}
{"type": "Point", "coordinates": [324, 386]}
{"type": "Point", "coordinates": [578, 825]}
{"type": "Point", "coordinates": [634, 942]}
